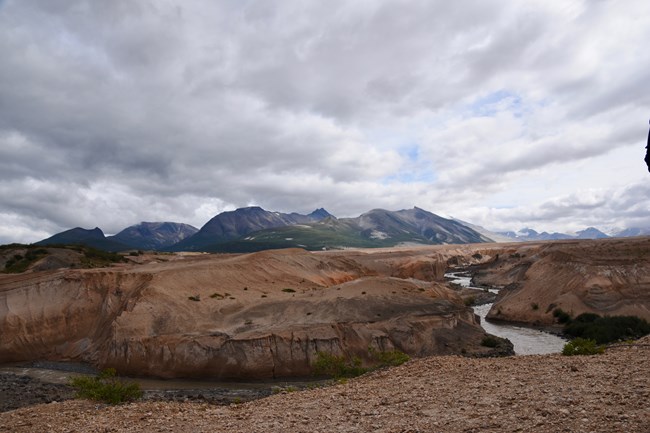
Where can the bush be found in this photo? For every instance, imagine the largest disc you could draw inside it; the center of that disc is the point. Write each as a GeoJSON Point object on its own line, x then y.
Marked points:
{"type": "Point", "coordinates": [288, 290]}
{"type": "Point", "coordinates": [561, 316]}
{"type": "Point", "coordinates": [581, 346]}
{"type": "Point", "coordinates": [607, 329]}
{"type": "Point", "coordinates": [469, 301]}
{"type": "Point", "coordinates": [489, 341]}
{"type": "Point", "coordinates": [337, 366]}
{"type": "Point", "coordinates": [106, 388]}
{"type": "Point", "coordinates": [392, 358]}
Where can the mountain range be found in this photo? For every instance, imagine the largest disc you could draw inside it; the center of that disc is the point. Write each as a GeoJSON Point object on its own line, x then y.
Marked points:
{"type": "Point", "coordinates": [143, 236]}
{"type": "Point", "coordinates": [229, 226]}
{"type": "Point", "coordinates": [376, 228]}
{"type": "Point", "coordinates": [528, 234]}
{"type": "Point", "coordinates": [254, 229]}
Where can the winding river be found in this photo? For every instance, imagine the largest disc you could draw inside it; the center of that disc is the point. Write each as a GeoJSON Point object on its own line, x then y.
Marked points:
{"type": "Point", "coordinates": [526, 341]}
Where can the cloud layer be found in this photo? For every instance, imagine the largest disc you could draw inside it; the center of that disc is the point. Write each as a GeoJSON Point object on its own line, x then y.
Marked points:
{"type": "Point", "coordinates": [500, 113]}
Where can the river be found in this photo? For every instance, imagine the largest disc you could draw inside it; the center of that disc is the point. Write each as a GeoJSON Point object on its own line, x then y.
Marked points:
{"type": "Point", "coordinates": [526, 341]}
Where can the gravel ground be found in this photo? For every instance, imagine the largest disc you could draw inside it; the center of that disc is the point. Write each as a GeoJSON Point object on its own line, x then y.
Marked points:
{"type": "Point", "coordinates": [538, 393]}
{"type": "Point", "coordinates": [20, 391]}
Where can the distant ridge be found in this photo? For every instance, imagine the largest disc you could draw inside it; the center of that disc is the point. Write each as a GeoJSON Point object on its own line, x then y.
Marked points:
{"type": "Point", "coordinates": [78, 236]}
{"type": "Point", "coordinates": [255, 229]}
{"type": "Point", "coordinates": [527, 234]}
{"type": "Point", "coordinates": [154, 235]}
{"type": "Point", "coordinates": [376, 228]}
{"type": "Point", "coordinates": [234, 224]}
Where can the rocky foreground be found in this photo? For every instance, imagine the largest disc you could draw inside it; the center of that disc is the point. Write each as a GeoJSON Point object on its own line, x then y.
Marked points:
{"type": "Point", "coordinates": [541, 393]}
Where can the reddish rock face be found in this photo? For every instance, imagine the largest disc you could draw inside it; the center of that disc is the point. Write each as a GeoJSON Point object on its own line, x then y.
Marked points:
{"type": "Point", "coordinates": [606, 277]}
{"type": "Point", "coordinates": [259, 315]}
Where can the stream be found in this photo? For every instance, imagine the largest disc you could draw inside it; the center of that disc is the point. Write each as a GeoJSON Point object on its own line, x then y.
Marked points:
{"type": "Point", "coordinates": [526, 341]}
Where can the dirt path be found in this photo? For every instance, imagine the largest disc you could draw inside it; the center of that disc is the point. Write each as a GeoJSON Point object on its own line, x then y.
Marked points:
{"type": "Point", "coordinates": [541, 393]}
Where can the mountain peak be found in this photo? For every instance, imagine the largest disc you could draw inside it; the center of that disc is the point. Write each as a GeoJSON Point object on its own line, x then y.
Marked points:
{"type": "Point", "coordinates": [154, 235]}
{"type": "Point", "coordinates": [320, 214]}
{"type": "Point", "coordinates": [79, 236]}
{"type": "Point", "coordinates": [249, 209]}
{"type": "Point", "coordinates": [591, 233]}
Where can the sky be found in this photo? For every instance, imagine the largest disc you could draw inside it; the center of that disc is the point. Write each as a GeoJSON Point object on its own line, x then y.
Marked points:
{"type": "Point", "coordinates": [506, 114]}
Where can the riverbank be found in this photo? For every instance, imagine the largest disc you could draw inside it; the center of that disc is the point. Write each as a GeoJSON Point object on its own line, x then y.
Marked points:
{"type": "Point", "coordinates": [22, 390]}
{"type": "Point", "coordinates": [538, 393]}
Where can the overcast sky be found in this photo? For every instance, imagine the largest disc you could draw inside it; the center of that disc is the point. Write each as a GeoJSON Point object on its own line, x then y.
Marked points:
{"type": "Point", "coordinates": [502, 113]}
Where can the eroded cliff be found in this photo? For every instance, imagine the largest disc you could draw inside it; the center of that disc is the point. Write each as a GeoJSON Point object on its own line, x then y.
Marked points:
{"type": "Point", "coordinates": [606, 277]}
{"type": "Point", "coordinates": [259, 315]}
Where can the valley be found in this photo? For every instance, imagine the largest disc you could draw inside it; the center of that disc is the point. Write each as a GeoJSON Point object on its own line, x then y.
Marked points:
{"type": "Point", "coordinates": [266, 315]}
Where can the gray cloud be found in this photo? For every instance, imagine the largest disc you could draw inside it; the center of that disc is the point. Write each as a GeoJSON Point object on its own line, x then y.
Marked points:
{"type": "Point", "coordinates": [117, 112]}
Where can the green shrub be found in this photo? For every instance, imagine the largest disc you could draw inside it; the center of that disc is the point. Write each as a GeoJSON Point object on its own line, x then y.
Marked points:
{"type": "Point", "coordinates": [288, 290]}
{"type": "Point", "coordinates": [586, 318]}
{"type": "Point", "coordinates": [106, 388]}
{"type": "Point", "coordinates": [581, 346]}
{"type": "Point", "coordinates": [489, 341]}
{"type": "Point", "coordinates": [534, 306]}
{"type": "Point", "coordinates": [392, 358]}
{"type": "Point", "coordinates": [561, 315]}
{"type": "Point", "coordinates": [469, 301]}
{"type": "Point", "coordinates": [340, 367]}
{"type": "Point", "coordinates": [607, 329]}
{"type": "Point", "coordinates": [337, 366]}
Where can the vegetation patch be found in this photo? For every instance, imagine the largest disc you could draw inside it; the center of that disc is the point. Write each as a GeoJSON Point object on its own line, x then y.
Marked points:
{"type": "Point", "coordinates": [490, 341]}
{"type": "Point", "coordinates": [607, 329]}
{"type": "Point", "coordinates": [94, 258]}
{"type": "Point", "coordinates": [561, 316]}
{"type": "Point", "coordinates": [19, 263]}
{"type": "Point", "coordinates": [340, 367]}
{"type": "Point", "coordinates": [288, 290]}
{"type": "Point", "coordinates": [337, 366]}
{"type": "Point", "coordinates": [391, 358]}
{"type": "Point", "coordinates": [106, 388]}
{"type": "Point", "coordinates": [581, 346]}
